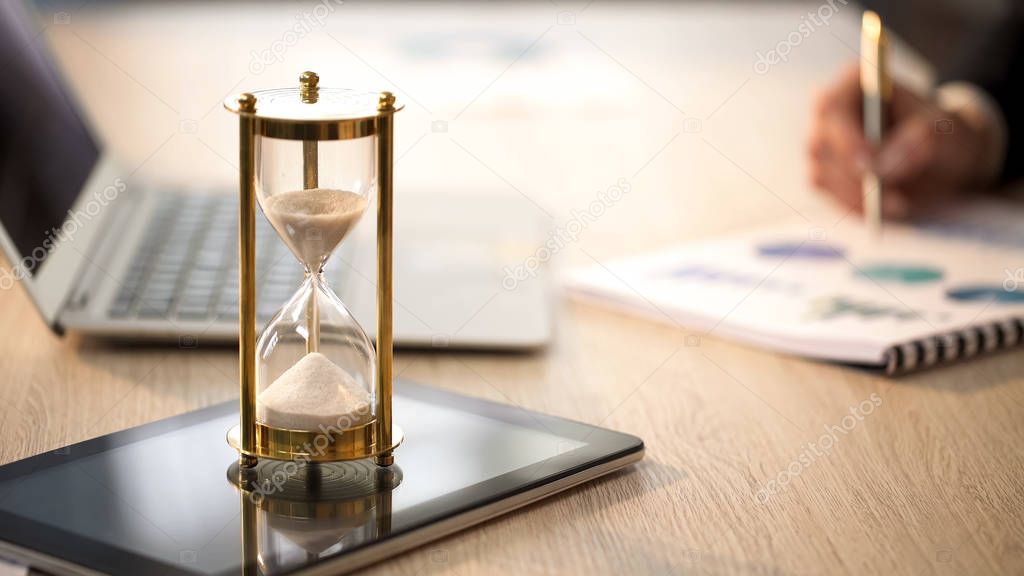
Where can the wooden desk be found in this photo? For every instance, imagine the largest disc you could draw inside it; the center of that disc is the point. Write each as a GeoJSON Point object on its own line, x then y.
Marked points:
{"type": "Point", "coordinates": [929, 482]}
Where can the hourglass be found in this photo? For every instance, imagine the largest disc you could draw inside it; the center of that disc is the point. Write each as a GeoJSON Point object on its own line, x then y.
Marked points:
{"type": "Point", "coordinates": [313, 388]}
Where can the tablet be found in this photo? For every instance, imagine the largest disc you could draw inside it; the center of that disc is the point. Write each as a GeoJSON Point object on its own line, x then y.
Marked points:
{"type": "Point", "coordinates": [166, 498]}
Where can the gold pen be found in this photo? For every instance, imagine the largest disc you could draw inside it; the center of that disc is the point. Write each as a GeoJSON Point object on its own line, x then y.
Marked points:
{"type": "Point", "coordinates": [876, 86]}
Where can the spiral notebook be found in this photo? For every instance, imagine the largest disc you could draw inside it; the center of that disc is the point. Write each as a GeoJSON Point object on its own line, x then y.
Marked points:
{"type": "Point", "coordinates": [947, 288]}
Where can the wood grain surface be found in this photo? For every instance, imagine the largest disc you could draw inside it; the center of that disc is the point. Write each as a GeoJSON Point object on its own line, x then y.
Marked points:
{"type": "Point", "coordinates": [930, 480]}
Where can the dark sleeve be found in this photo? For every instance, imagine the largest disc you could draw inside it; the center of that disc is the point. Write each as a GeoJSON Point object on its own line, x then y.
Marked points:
{"type": "Point", "coordinates": [966, 43]}
{"type": "Point", "coordinates": [995, 62]}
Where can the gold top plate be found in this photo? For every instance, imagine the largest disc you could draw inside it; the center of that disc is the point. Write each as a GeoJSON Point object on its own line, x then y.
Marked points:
{"type": "Point", "coordinates": [294, 105]}
{"type": "Point", "coordinates": [309, 112]}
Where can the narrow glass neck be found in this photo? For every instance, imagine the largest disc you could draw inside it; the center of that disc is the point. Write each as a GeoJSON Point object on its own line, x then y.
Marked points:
{"type": "Point", "coordinates": [316, 281]}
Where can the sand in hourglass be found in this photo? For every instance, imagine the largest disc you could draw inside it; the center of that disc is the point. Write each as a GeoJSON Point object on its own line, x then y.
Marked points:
{"type": "Point", "coordinates": [313, 222]}
{"type": "Point", "coordinates": [314, 394]}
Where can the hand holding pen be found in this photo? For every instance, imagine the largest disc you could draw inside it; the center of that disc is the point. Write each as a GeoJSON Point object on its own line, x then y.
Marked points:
{"type": "Point", "coordinates": [926, 153]}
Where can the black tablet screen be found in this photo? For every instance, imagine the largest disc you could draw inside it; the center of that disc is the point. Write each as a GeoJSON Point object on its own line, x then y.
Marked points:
{"type": "Point", "coordinates": [161, 500]}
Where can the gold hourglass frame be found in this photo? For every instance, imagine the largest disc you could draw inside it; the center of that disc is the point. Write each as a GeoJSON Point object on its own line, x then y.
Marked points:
{"type": "Point", "coordinates": [297, 118]}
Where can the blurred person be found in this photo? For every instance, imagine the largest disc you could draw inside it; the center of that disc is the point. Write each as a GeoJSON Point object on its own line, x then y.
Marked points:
{"type": "Point", "coordinates": [967, 134]}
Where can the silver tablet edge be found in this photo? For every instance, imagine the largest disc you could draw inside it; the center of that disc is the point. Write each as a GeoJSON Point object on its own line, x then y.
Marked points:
{"type": "Point", "coordinates": [398, 544]}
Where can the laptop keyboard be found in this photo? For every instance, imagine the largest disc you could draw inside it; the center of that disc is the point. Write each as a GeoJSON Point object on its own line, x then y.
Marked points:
{"type": "Point", "coordinates": [186, 266]}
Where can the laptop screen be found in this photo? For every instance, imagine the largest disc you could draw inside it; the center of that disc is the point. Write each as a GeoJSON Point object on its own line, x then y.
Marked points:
{"type": "Point", "coordinates": [46, 152]}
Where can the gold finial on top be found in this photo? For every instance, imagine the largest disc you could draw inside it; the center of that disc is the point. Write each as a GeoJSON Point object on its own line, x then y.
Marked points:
{"type": "Point", "coordinates": [246, 102]}
{"type": "Point", "coordinates": [309, 86]}
{"type": "Point", "coordinates": [386, 102]}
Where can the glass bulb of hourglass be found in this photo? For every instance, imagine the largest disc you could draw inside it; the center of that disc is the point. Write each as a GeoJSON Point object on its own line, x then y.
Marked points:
{"type": "Point", "coordinates": [315, 363]}
{"type": "Point", "coordinates": [313, 222]}
{"type": "Point", "coordinates": [328, 387]}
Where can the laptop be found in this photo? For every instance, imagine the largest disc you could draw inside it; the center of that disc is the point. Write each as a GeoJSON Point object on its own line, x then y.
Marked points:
{"type": "Point", "coordinates": [101, 253]}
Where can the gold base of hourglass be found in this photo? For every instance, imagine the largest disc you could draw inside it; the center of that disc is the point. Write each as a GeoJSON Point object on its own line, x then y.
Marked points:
{"type": "Point", "coordinates": [316, 446]}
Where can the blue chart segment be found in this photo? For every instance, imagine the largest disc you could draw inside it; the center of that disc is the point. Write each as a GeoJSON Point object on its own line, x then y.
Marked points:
{"type": "Point", "coordinates": [996, 294]}
{"type": "Point", "coordinates": [803, 250]}
{"type": "Point", "coordinates": [709, 274]}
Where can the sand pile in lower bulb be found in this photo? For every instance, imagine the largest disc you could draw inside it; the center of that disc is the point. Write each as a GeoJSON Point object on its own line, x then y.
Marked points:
{"type": "Point", "coordinates": [314, 392]}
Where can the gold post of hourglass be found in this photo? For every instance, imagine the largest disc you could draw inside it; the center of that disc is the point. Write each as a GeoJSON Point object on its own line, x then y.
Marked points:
{"type": "Point", "coordinates": [309, 89]}
{"type": "Point", "coordinates": [386, 481]}
{"type": "Point", "coordinates": [385, 209]}
{"type": "Point", "coordinates": [250, 544]}
{"type": "Point", "coordinates": [247, 279]}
